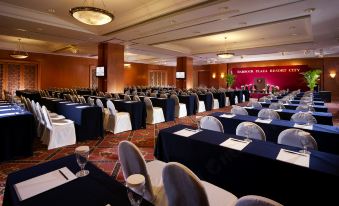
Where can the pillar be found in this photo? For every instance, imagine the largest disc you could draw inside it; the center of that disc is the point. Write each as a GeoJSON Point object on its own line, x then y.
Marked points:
{"type": "Point", "coordinates": [111, 56]}
{"type": "Point", "coordinates": [185, 64]}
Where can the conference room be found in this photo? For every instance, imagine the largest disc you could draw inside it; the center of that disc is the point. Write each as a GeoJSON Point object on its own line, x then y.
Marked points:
{"type": "Point", "coordinates": [178, 103]}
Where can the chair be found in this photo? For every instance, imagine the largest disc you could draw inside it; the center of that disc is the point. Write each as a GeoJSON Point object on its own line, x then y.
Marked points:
{"type": "Point", "coordinates": [237, 110]}
{"type": "Point", "coordinates": [127, 98]}
{"type": "Point", "coordinates": [132, 162]}
{"type": "Point", "coordinates": [58, 134]}
{"type": "Point", "coordinates": [255, 200]}
{"type": "Point", "coordinates": [305, 108]}
{"type": "Point", "coordinates": [200, 104]}
{"type": "Point", "coordinates": [264, 99]}
{"type": "Point", "coordinates": [154, 114]}
{"type": "Point", "coordinates": [256, 105]}
{"type": "Point", "coordinates": [184, 188]}
{"type": "Point", "coordinates": [295, 138]}
{"type": "Point", "coordinates": [250, 130]}
{"type": "Point", "coordinates": [180, 108]}
{"type": "Point", "coordinates": [276, 105]}
{"type": "Point", "coordinates": [90, 101]}
{"type": "Point", "coordinates": [303, 118]}
{"type": "Point", "coordinates": [268, 114]}
{"type": "Point", "coordinates": [163, 96]}
{"type": "Point", "coordinates": [116, 96]}
{"type": "Point", "coordinates": [105, 113]}
{"type": "Point", "coordinates": [136, 98]}
{"type": "Point", "coordinates": [82, 100]}
{"type": "Point", "coordinates": [211, 123]}
{"type": "Point", "coordinates": [153, 95]}
{"type": "Point", "coordinates": [215, 102]}
{"type": "Point", "coordinates": [117, 121]}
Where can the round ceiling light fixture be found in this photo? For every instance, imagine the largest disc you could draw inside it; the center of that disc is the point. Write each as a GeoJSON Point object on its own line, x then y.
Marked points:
{"type": "Point", "coordinates": [91, 15]}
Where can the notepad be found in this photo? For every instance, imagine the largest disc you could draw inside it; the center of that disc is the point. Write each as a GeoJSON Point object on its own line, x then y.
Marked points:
{"type": "Point", "coordinates": [303, 126]}
{"type": "Point", "coordinates": [80, 107]}
{"type": "Point", "coordinates": [236, 144]}
{"type": "Point", "coordinates": [186, 132]}
{"type": "Point", "coordinates": [248, 107]}
{"type": "Point", "coordinates": [293, 157]}
{"type": "Point", "coordinates": [266, 121]}
{"type": "Point", "coordinates": [9, 109]}
{"type": "Point", "coordinates": [42, 183]}
{"type": "Point", "coordinates": [72, 104]}
{"type": "Point", "coordinates": [227, 115]}
{"type": "Point", "coordinates": [7, 114]}
{"type": "Point", "coordinates": [278, 110]}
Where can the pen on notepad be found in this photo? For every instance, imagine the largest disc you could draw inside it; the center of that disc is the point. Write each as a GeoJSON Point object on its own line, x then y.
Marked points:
{"type": "Point", "coordinates": [63, 174]}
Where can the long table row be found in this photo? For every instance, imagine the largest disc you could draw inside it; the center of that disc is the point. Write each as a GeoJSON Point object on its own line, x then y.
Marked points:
{"type": "Point", "coordinates": [254, 169]}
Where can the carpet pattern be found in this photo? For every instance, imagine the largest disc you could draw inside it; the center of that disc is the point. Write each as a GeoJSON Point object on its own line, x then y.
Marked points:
{"type": "Point", "coordinates": [104, 151]}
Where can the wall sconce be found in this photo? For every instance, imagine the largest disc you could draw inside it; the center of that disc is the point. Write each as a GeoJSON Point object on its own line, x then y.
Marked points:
{"type": "Point", "coordinates": [127, 65]}
{"type": "Point", "coordinates": [332, 75]}
{"type": "Point", "coordinates": [222, 75]}
{"type": "Point", "coordinates": [214, 75]}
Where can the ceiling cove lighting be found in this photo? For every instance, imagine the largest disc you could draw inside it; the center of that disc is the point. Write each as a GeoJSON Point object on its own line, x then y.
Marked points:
{"type": "Point", "coordinates": [19, 52]}
{"type": "Point", "coordinates": [91, 15]}
{"type": "Point", "coordinates": [225, 54]}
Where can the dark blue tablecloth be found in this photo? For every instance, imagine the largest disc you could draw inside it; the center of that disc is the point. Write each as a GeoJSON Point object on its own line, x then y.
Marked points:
{"type": "Point", "coordinates": [167, 105]}
{"type": "Point", "coordinates": [321, 103]}
{"type": "Point", "coordinates": [286, 114]}
{"type": "Point", "coordinates": [238, 93]}
{"type": "Point", "coordinates": [318, 108]}
{"type": "Point", "coordinates": [136, 110]}
{"type": "Point", "coordinates": [207, 100]}
{"type": "Point", "coordinates": [220, 96]}
{"type": "Point", "coordinates": [97, 188]}
{"type": "Point", "coordinates": [231, 96]}
{"type": "Point", "coordinates": [254, 170]}
{"type": "Point", "coordinates": [326, 136]}
{"type": "Point", "coordinates": [17, 133]}
{"type": "Point", "coordinates": [247, 94]}
{"type": "Point", "coordinates": [88, 121]}
{"type": "Point", "coordinates": [32, 95]}
{"type": "Point", "coordinates": [189, 100]}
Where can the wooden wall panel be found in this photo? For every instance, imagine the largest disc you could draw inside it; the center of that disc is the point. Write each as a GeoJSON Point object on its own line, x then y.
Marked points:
{"type": "Point", "coordinates": [331, 65]}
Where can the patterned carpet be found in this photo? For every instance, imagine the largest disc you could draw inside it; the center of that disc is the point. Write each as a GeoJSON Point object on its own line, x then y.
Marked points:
{"type": "Point", "coordinates": [104, 152]}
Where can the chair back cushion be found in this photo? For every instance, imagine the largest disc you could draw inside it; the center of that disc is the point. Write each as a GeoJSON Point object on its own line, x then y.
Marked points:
{"type": "Point", "coordinates": [296, 138]}
{"type": "Point", "coordinates": [268, 114]}
{"type": "Point", "coordinates": [303, 118]}
{"type": "Point", "coordinates": [211, 123]}
{"type": "Point", "coordinates": [251, 130]}
{"type": "Point", "coordinates": [254, 200]}
{"type": "Point", "coordinates": [237, 110]}
{"type": "Point", "coordinates": [182, 186]}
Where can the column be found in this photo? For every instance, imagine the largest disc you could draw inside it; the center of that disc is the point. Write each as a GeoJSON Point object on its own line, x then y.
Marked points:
{"type": "Point", "coordinates": [111, 56]}
{"type": "Point", "coordinates": [185, 64]}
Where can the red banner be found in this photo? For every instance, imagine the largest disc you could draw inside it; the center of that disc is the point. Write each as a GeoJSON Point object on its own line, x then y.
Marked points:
{"type": "Point", "coordinates": [282, 76]}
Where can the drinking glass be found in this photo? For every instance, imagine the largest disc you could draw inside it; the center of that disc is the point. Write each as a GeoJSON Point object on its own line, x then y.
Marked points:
{"type": "Point", "coordinates": [304, 142]}
{"type": "Point", "coordinates": [135, 188]}
{"type": "Point", "coordinates": [198, 118]}
{"type": "Point", "coordinates": [82, 154]}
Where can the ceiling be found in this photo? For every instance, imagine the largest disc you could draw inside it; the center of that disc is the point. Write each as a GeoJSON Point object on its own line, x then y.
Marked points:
{"type": "Point", "coordinates": [158, 31]}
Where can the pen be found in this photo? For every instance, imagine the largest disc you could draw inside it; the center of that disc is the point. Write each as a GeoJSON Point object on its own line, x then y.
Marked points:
{"type": "Point", "coordinates": [294, 152]}
{"type": "Point", "coordinates": [63, 174]}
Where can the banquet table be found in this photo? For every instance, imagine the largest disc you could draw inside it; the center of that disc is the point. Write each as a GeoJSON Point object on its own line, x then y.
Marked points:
{"type": "Point", "coordinates": [189, 100]}
{"type": "Point", "coordinates": [220, 96]}
{"type": "Point", "coordinates": [286, 114]}
{"type": "Point", "coordinates": [321, 103]}
{"type": "Point", "coordinates": [231, 96]}
{"type": "Point", "coordinates": [17, 132]}
{"type": "Point", "coordinates": [167, 105]}
{"type": "Point", "coordinates": [87, 119]}
{"type": "Point", "coordinates": [97, 188]}
{"type": "Point", "coordinates": [238, 93]}
{"type": "Point", "coordinates": [207, 100]}
{"type": "Point", "coordinates": [317, 108]}
{"type": "Point", "coordinates": [253, 170]}
{"type": "Point", "coordinates": [327, 137]}
{"type": "Point", "coordinates": [136, 110]}
{"type": "Point", "coordinates": [31, 94]}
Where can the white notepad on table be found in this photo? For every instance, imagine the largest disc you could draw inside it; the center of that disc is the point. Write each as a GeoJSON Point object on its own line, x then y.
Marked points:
{"type": "Point", "coordinates": [72, 104]}
{"type": "Point", "coordinates": [42, 183]}
{"type": "Point", "coordinates": [293, 157]}
{"type": "Point", "coordinates": [2, 110]}
{"type": "Point", "coordinates": [278, 110]}
{"type": "Point", "coordinates": [266, 121]}
{"type": "Point", "coordinates": [303, 126]}
{"type": "Point", "coordinates": [7, 114]}
{"type": "Point", "coordinates": [236, 144]}
{"type": "Point", "coordinates": [84, 106]}
{"type": "Point", "coordinates": [186, 132]}
{"type": "Point", "coordinates": [227, 115]}
{"type": "Point", "coordinates": [248, 107]}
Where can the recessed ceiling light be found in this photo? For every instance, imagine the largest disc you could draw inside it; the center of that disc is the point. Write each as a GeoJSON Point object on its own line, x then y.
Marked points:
{"type": "Point", "coordinates": [21, 29]}
{"type": "Point", "coordinates": [294, 34]}
{"type": "Point", "coordinates": [309, 10]}
{"type": "Point", "coordinates": [51, 10]}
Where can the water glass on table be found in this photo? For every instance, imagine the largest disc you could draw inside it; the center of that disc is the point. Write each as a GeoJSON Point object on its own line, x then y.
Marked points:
{"type": "Point", "coordinates": [135, 188]}
{"type": "Point", "coordinates": [82, 154]}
